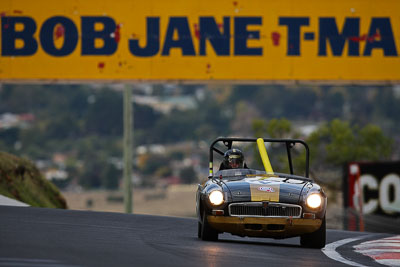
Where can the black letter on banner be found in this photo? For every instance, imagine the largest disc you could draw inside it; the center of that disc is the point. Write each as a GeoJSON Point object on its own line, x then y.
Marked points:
{"type": "Point", "coordinates": [89, 35]}
{"type": "Point", "coordinates": [209, 30]}
{"type": "Point", "coordinates": [328, 30]}
{"type": "Point", "coordinates": [180, 24]}
{"type": "Point", "coordinates": [10, 35]}
{"type": "Point", "coordinates": [69, 31]}
{"type": "Point", "coordinates": [242, 35]}
{"type": "Point", "coordinates": [380, 29]}
{"type": "Point", "coordinates": [293, 24]}
{"type": "Point", "coordinates": [153, 40]}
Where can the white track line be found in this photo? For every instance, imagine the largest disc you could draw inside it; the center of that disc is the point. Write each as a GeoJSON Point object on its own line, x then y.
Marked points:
{"type": "Point", "coordinates": [377, 244]}
{"type": "Point", "coordinates": [330, 251]}
{"type": "Point", "coordinates": [6, 201]}
{"type": "Point", "coordinates": [389, 262]}
{"type": "Point", "coordinates": [385, 251]}
{"type": "Point", "coordinates": [376, 251]}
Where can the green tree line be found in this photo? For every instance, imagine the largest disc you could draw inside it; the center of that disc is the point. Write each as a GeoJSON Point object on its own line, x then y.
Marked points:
{"type": "Point", "coordinates": [85, 122]}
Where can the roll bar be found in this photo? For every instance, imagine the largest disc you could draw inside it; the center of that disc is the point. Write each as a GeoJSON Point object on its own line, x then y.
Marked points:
{"type": "Point", "coordinates": [228, 141]}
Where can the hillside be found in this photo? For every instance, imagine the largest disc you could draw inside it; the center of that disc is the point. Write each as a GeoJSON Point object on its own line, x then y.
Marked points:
{"type": "Point", "coordinates": [21, 180]}
{"type": "Point", "coordinates": [73, 133]}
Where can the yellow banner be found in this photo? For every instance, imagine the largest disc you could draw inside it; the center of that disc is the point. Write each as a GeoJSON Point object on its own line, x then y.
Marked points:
{"type": "Point", "coordinates": [252, 40]}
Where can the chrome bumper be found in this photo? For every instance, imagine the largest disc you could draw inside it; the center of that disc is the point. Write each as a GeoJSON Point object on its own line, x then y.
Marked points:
{"type": "Point", "coordinates": [264, 227]}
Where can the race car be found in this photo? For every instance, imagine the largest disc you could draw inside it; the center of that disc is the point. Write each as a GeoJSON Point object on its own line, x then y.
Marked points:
{"type": "Point", "coordinates": [243, 201]}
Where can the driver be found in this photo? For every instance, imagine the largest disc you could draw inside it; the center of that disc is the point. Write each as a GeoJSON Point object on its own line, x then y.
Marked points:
{"type": "Point", "coordinates": [233, 159]}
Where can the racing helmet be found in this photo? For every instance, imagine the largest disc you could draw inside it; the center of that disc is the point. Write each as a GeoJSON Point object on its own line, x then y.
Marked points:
{"type": "Point", "coordinates": [233, 159]}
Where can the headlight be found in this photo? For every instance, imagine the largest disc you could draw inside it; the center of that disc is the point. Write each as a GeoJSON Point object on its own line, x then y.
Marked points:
{"type": "Point", "coordinates": [216, 197]}
{"type": "Point", "coordinates": [314, 201]}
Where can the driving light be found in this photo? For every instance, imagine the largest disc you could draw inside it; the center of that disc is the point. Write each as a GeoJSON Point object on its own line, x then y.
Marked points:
{"type": "Point", "coordinates": [216, 197]}
{"type": "Point", "coordinates": [314, 201]}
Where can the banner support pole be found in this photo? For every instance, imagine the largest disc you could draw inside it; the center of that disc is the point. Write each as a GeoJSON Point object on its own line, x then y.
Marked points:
{"type": "Point", "coordinates": [128, 147]}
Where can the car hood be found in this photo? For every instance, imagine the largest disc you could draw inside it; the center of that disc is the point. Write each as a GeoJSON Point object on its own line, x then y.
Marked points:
{"type": "Point", "coordinates": [273, 189]}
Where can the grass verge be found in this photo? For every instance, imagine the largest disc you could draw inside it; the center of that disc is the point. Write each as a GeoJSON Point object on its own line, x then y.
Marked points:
{"type": "Point", "coordinates": [22, 181]}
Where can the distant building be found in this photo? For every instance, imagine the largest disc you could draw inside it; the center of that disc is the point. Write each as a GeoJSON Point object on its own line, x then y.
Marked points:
{"type": "Point", "coordinates": [54, 174]}
{"type": "Point", "coordinates": [10, 120]}
{"type": "Point", "coordinates": [166, 104]}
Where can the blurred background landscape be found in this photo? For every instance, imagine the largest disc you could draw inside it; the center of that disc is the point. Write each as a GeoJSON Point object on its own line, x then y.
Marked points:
{"type": "Point", "coordinates": [73, 134]}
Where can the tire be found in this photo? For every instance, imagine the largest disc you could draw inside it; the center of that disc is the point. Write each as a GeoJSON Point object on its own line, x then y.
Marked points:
{"type": "Point", "coordinates": [205, 231]}
{"type": "Point", "coordinates": [316, 239]}
{"type": "Point", "coordinates": [198, 229]}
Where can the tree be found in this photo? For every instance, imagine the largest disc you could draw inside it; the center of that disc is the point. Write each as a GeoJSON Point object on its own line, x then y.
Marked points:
{"type": "Point", "coordinates": [279, 128]}
{"type": "Point", "coordinates": [188, 175]}
{"type": "Point", "coordinates": [152, 163]}
{"type": "Point", "coordinates": [111, 177]}
{"type": "Point", "coordinates": [104, 116]}
{"type": "Point", "coordinates": [275, 128]}
{"type": "Point", "coordinates": [241, 125]}
{"type": "Point", "coordinates": [338, 142]}
{"type": "Point", "coordinates": [332, 145]}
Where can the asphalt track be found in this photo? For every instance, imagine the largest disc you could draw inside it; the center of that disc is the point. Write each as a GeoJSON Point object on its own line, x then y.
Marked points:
{"type": "Point", "coordinates": [51, 237]}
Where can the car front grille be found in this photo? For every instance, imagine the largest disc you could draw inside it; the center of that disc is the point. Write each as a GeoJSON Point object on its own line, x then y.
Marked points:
{"type": "Point", "coordinates": [266, 209]}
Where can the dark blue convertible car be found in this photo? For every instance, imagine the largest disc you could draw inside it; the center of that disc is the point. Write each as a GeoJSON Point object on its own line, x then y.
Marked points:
{"type": "Point", "coordinates": [243, 201]}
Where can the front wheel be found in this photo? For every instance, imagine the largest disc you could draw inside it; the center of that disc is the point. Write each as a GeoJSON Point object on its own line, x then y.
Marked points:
{"type": "Point", "coordinates": [205, 231]}
{"type": "Point", "coordinates": [316, 239]}
{"type": "Point", "coordinates": [198, 229]}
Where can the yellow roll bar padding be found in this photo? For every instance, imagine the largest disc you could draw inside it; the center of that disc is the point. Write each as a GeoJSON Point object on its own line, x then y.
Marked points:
{"type": "Point", "coordinates": [264, 156]}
